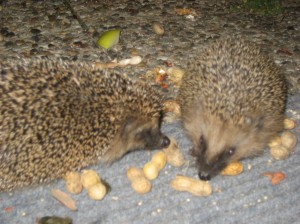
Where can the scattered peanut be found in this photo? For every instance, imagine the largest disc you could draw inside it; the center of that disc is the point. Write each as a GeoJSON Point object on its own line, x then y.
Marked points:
{"type": "Point", "coordinates": [73, 184]}
{"type": "Point", "coordinates": [160, 159]}
{"type": "Point", "coordinates": [97, 191]}
{"type": "Point", "coordinates": [152, 168]}
{"type": "Point", "coordinates": [289, 140]}
{"type": "Point", "coordinates": [233, 169]}
{"type": "Point", "coordinates": [279, 152]}
{"type": "Point", "coordinates": [174, 155]}
{"type": "Point", "coordinates": [289, 123]}
{"type": "Point", "coordinates": [193, 186]}
{"type": "Point", "coordinates": [92, 183]}
{"type": "Point", "coordinates": [276, 140]}
{"type": "Point", "coordinates": [89, 178]}
{"type": "Point", "coordinates": [139, 183]}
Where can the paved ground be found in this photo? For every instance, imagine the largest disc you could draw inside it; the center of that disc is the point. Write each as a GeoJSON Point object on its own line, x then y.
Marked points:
{"type": "Point", "coordinates": [48, 28]}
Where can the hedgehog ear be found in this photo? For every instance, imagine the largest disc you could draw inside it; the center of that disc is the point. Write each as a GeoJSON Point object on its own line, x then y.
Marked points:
{"type": "Point", "coordinates": [245, 120]}
{"type": "Point", "coordinates": [258, 122]}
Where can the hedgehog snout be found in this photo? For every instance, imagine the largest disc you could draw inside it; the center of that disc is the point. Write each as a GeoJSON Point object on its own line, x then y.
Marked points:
{"type": "Point", "coordinates": [207, 171]}
{"type": "Point", "coordinates": [204, 175]}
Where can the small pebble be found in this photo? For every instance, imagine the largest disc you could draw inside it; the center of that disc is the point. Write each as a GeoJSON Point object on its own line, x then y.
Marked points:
{"type": "Point", "coordinates": [9, 34]}
{"type": "Point", "coordinates": [35, 31]}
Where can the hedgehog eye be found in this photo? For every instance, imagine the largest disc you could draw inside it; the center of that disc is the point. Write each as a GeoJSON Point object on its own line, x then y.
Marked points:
{"type": "Point", "coordinates": [231, 151]}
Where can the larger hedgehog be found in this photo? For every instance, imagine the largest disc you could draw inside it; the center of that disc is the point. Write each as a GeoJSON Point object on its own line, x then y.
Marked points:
{"type": "Point", "coordinates": [60, 116]}
{"type": "Point", "coordinates": [232, 101]}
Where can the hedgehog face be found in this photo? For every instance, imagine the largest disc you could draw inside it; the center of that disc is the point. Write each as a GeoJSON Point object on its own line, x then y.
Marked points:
{"type": "Point", "coordinates": [143, 134]}
{"type": "Point", "coordinates": [137, 134]}
{"type": "Point", "coordinates": [217, 143]}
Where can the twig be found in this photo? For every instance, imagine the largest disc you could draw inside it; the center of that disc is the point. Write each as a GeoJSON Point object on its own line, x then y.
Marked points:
{"type": "Point", "coordinates": [75, 15]}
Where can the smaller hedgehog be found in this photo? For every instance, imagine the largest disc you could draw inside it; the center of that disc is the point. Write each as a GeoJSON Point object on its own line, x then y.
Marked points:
{"type": "Point", "coordinates": [61, 116]}
{"type": "Point", "coordinates": [232, 101]}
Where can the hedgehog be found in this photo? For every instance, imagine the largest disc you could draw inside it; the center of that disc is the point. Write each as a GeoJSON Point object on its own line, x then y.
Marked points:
{"type": "Point", "coordinates": [59, 116]}
{"type": "Point", "coordinates": [232, 100]}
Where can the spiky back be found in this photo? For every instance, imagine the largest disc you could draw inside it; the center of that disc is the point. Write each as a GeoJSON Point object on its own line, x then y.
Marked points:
{"type": "Point", "coordinates": [58, 116]}
{"type": "Point", "coordinates": [232, 78]}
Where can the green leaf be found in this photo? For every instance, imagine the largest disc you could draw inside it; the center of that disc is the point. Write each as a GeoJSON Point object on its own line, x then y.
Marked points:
{"type": "Point", "coordinates": [109, 38]}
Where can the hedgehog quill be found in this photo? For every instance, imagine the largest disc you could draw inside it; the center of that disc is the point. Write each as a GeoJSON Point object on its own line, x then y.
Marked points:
{"type": "Point", "coordinates": [61, 116]}
{"type": "Point", "coordinates": [232, 101]}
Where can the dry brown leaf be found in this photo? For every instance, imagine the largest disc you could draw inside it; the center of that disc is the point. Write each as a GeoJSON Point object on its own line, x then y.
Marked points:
{"type": "Point", "coordinates": [185, 11]}
{"type": "Point", "coordinates": [159, 75]}
{"type": "Point", "coordinates": [284, 51]}
{"type": "Point", "coordinates": [64, 198]}
{"type": "Point", "coordinates": [163, 85]}
{"type": "Point", "coordinates": [275, 177]}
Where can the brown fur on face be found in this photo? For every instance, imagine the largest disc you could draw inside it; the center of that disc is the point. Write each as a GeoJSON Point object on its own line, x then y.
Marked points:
{"type": "Point", "coordinates": [232, 101]}
{"type": "Point", "coordinates": [136, 134]}
{"type": "Point", "coordinates": [214, 139]}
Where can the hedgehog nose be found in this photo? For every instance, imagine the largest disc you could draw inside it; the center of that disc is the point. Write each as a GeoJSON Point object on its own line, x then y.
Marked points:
{"type": "Point", "coordinates": [204, 176]}
{"type": "Point", "coordinates": [165, 142]}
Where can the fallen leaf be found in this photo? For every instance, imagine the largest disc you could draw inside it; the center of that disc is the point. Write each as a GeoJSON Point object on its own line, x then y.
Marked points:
{"type": "Point", "coordinates": [109, 39]}
{"type": "Point", "coordinates": [185, 11]}
{"type": "Point", "coordinates": [163, 85]}
{"type": "Point", "coordinates": [159, 75]}
{"type": "Point", "coordinates": [158, 78]}
{"type": "Point", "coordinates": [64, 198]}
{"type": "Point", "coordinates": [8, 209]}
{"type": "Point", "coordinates": [275, 177]}
{"type": "Point", "coordinates": [284, 51]}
